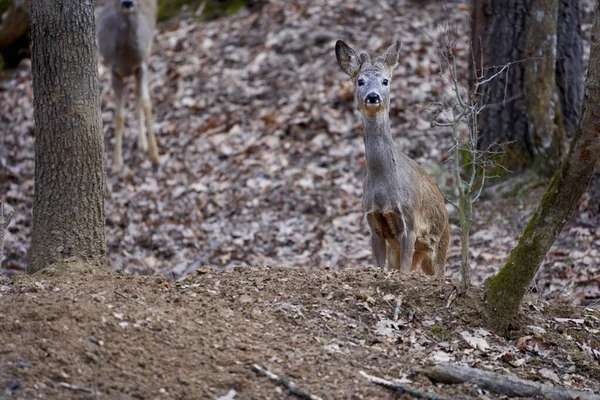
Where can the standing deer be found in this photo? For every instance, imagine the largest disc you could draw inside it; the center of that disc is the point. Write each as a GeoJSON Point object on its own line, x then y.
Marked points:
{"type": "Point", "coordinates": [125, 33]}
{"type": "Point", "coordinates": [404, 209]}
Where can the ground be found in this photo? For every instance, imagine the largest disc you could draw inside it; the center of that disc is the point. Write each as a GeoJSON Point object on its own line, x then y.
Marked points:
{"type": "Point", "coordinates": [262, 165]}
{"type": "Point", "coordinates": [123, 337]}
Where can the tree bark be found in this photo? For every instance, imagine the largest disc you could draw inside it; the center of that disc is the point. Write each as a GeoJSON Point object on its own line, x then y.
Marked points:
{"type": "Point", "coordinates": [545, 126]}
{"type": "Point", "coordinates": [68, 209]}
{"type": "Point", "coordinates": [535, 104]}
{"type": "Point", "coordinates": [504, 292]}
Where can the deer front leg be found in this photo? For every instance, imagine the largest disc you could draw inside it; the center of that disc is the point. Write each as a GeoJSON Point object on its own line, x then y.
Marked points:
{"type": "Point", "coordinates": [407, 241]}
{"type": "Point", "coordinates": [142, 78]}
{"type": "Point", "coordinates": [142, 139]}
{"type": "Point", "coordinates": [119, 88]}
{"type": "Point", "coordinates": [378, 244]}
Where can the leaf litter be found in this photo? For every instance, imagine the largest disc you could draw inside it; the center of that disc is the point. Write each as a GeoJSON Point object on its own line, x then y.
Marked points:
{"type": "Point", "coordinates": [262, 164]}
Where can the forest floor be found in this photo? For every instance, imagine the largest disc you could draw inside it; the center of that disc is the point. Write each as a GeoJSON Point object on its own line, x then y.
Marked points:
{"type": "Point", "coordinates": [69, 333]}
{"type": "Point", "coordinates": [262, 164]}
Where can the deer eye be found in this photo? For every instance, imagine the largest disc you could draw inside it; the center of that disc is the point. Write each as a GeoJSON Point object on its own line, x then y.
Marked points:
{"type": "Point", "coordinates": [361, 82]}
{"type": "Point", "coordinates": [385, 82]}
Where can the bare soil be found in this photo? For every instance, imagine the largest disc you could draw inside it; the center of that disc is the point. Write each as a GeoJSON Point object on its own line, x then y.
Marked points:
{"type": "Point", "coordinates": [72, 333]}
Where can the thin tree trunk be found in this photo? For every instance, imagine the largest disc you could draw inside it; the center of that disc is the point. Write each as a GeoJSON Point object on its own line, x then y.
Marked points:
{"type": "Point", "coordinates": [504, 292]}
{"type": "Point", "coordinates": [68, 209]}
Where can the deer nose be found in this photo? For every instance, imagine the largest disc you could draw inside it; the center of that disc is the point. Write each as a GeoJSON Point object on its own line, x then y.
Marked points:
{"type": "Point", "coordinates": [373, 98]}
{"type": "Point", "coordinates": [127, 4]}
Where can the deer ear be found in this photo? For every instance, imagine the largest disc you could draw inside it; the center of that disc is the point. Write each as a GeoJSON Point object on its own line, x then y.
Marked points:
{"type": "Point", "coordinates": [347, 58]}
{"type": "Point", "coordinates": [391, 56]}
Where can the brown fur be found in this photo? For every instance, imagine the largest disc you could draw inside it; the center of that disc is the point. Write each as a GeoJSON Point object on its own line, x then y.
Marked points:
{"type": "Point", "coordinates": [404, 208]}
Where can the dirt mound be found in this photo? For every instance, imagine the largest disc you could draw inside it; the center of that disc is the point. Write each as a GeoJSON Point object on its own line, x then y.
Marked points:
{"type": "Point", "coordinates": [68, 333]}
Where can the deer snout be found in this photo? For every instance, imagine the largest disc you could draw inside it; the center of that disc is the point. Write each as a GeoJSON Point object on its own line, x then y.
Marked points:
{"type": "Point", "coordinates": [373, 99]}
{"type": "Point", "coordinates": [127, 4]}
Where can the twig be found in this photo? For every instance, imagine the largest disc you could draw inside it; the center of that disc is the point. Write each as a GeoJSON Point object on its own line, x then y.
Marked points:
{"type": "Point", "coordinates": [416, 393]}
{"type": "Point", "coordinates": [288, 384]}
{"type": "Point", "coordinates": [502, 384]}
{"type": "Point", "coordinates": [398, 308]}
{"type": "Point", "coordinates": [76, 388]}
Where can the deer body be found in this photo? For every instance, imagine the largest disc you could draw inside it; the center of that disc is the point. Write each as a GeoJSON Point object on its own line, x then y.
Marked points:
{"type": "Point", "coordinates": [125, 32]}
{"type": "Point", "coordinates": [404, 208]}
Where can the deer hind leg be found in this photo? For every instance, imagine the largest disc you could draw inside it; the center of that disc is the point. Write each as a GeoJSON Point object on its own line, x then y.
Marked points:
{"type": "Point", "coordinates": [142, 139]}
{"type": "Point", "coordinates": [417, 260]}
{"type": "Point", "coordinates": [378, 244]}
{"type": "Point", "coordinates": [428, 264]}
{"type": "Point", "coordinates": [120, 92]}
{"type": "Point", "coordinates": [439, 260]}
{"type": "Point", "coordinates": [142, 79]}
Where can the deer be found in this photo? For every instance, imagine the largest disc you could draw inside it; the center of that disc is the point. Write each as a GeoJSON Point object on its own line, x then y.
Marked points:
{"type": "Point", "coordinates": [125, 32]}
{"type": "Point", "coordinates": [404, 209]}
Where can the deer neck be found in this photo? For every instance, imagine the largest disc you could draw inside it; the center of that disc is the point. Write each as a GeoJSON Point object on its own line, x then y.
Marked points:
{"type": "Point", "coordinates": [379, 144]}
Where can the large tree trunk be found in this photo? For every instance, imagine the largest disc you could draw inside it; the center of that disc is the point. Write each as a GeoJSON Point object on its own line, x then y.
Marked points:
{"type": "Point", "coordinates": [68, 209]}
{"type": "Point", "coordinates": [535, 104]}
{"type": "Point", "coordinates": [504, 292]}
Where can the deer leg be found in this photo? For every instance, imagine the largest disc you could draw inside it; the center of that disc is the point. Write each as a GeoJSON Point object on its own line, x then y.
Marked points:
{"type": "Point", "coordinates": [142, 77]}
{"type": "Point", "coordinates": [417, 260]}
{"type": "Point", "coordinates": [395, 257]}
{"type": "Point", "coordinates": [377, 242]}
{"type": "Point", "coordinates": [407, 241]}
{"type": "Point", "coordinates": [142, 139]}
{"type": "Point", "coordinates": [427, 264]}
{"type": "Point", "coordinates": [120, 91]}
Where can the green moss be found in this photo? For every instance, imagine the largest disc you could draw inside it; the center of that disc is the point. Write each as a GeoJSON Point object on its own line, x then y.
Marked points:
{"type": "Point", "coordinates": [438, 331]}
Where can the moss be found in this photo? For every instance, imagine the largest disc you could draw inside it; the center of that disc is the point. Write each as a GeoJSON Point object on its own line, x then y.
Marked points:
{"type": "Point", "coordinates": [438, 331]}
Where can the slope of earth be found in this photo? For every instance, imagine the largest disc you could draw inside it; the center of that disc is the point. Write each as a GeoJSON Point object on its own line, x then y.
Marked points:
{"type": "Point", "coordinates": [69, 333]}
{"type": "Point", "coordinates": [262, 154]}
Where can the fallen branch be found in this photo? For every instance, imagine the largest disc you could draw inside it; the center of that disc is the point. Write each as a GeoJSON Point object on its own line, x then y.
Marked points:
{"type": "Point", "coordinates": [288, 384]}
{"type": "Point", "coordinates": [416, 393]}
{"type": "Point", "coordinates": [5, 218]}
{"type": "Point", "coordinates": [502, 384]}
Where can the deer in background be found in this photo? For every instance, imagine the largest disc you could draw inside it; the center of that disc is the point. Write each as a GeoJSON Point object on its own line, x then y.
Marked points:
{"type": "Point", "coordinates": [125, 31]}
{"type": "Point", "coordinates": [404, 208]}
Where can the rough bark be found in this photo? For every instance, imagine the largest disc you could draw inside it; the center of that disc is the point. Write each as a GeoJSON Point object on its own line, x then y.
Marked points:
{"type": "Point", "coordinates": [545, 126]}
{"type": "Point", "coordinates": [68, 209]}
{"type": "Point", "coordinates": [502, 384]}
{"type": "Point", "coordinates": [504, 292]}
{"type": "Point", "coordinates": [569, 65]}
{"type": "Point", "coordinates": [511, 31]}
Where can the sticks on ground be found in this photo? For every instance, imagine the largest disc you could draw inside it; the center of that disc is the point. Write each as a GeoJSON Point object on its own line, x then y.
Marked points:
{"type": "Point", "coordinates": [502, 384]}
{"type": "Point", "coordinates": [416, 393]}
{"type": "Point", "coordinates": [288, 384]}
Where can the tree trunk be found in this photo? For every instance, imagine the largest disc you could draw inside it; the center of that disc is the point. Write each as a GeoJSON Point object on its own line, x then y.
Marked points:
{"type": "Point", "coordinates": [68, 209]}
{"type": "Point", "coordinates": [545, 126]}
{"type": "Point", "coordinates": [504, 292]}
{"type": "Point", "coordinates": [512, 31]}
